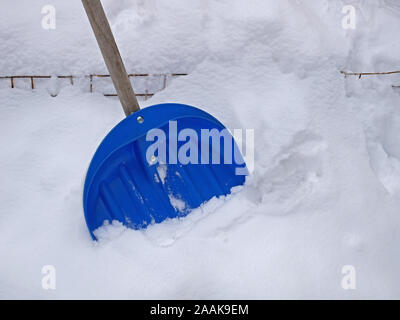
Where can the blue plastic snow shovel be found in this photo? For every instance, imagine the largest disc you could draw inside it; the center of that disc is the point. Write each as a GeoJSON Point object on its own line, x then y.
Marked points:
{"type": "Point", "coordinates": [159, 162]}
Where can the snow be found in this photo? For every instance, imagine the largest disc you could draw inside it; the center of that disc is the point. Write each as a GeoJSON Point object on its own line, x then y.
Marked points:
{"type": "Point", "coordinates": [325, 190]}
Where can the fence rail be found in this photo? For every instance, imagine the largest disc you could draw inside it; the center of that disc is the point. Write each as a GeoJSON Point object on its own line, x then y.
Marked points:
{"type": "Point", "coordinates": [71, 78]}
{"type": "Point", "coordinates": [360, 74]}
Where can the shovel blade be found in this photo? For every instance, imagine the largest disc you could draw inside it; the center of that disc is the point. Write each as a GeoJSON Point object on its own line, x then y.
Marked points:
{"type": "Point", "coordinates": [161, 162]}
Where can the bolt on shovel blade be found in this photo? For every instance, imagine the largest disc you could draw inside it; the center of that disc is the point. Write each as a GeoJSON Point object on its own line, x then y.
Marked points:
{"type": "Point", "coordinates": [128, 183]}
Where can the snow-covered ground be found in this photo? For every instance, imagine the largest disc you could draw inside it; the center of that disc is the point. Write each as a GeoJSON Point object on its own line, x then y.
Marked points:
{"type": "Point", "coordinates": [325, 191]}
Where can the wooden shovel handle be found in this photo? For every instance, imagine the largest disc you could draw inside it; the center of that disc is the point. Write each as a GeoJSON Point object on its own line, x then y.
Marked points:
{"type": "Point", "coordinates": [111, 55]}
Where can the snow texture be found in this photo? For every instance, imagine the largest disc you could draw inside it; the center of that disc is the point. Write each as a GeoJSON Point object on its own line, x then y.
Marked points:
{"type": "Point", "coordinates": [325, 191]}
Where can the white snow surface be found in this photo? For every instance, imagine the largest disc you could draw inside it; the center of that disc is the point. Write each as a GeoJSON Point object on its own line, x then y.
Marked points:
{"type": "Point", "coordinates": [325, 191]}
